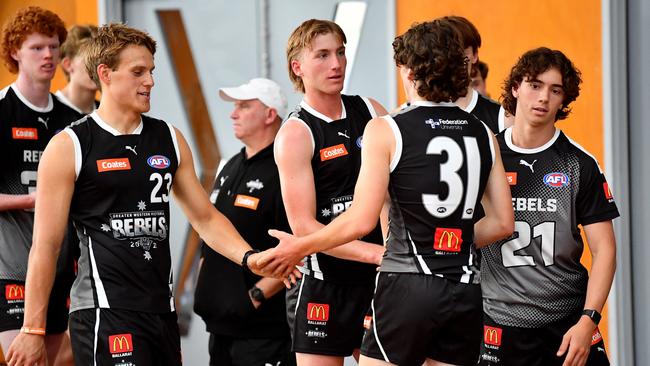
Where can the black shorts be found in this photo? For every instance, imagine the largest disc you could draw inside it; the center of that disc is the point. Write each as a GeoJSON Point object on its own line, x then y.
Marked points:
{"type": "Point", "coordinates": [326, 318]}
{"type": "Point", "coordinates": [415, 317]}
{"type": "Point", "coordinates": [12, 305]}
{"type": "Point", "coordinates": [104, 337]}
{"type": "Point", "coordinates": [514, 346]}
{"type": "Point", "coordinates": [232, 351]}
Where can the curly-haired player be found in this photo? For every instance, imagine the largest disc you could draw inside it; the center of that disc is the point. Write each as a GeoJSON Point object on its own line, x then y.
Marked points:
{"type": "Point", "coordinates": [437, 162]}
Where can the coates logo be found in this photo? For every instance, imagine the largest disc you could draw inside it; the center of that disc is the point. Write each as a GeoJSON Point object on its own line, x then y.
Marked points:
{"type": "Point", "coordinates": [158, 162]}
{"type": "Point", "coordinates": [247, 202]}
{"type": "Point", "coordinates": [608, 193]}
{"type": "Point", "coordinates": [18, 133]}
{"type": "Point", "coordinates": [367, 322]}
{"type": "Point", "coordinates": [492, 335]}
{"type": "Point", "coordinates": [318, 312]}
{"type": "Point", "coordinates": [120, 343]}
{"type": "Point", "coordinates": [512, 178]}
{"type": "Point", "coordinates": [596, 337]}
{"type": "Point", "coordinates": [14, 292]}
{"type": "Point", "coordinates": [448, 240]}
{"type": "Point", "coordinates": [333, 152]}
{"type": "Point", "coordinates": [556, 180]}
{"type": "Point", "coordinates": [107, 165]}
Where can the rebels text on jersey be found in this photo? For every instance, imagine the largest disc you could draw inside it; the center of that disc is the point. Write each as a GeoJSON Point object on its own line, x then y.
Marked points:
{"type": "Point", "coordinates": [25, 130]}
{"type": "Point", "coordinates": [535, 277]}
{"type": "Point", "coordinates": [335, 163]}
{"type": "Point", "coordinates": [120, 209]}
{"type": "Point", "coordinates": [442, 162]}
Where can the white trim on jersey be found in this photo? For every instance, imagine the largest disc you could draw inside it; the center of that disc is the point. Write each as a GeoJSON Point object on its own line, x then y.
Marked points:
{"type": "Point", "coordinates": [313, 141]}
{"type": "Point", "coordinates": [48, 108]}
{"type": "Point", "coordinates": [318, 114]}
{"type": "Point", "coordinates": [96, 336]}
{"type": "Point", "coordinates": [473, 165]}
{"type": "Point", "coordinates": [491, 140]}
{"type": "Point", "coordinates": [508, 139]}
{"type": "Point", "coordinates": [315, 267]}
{"type": "Point", "coordinates": [468, 274]}
{"type": "Point", "coordinates": [371, 108]}
{"type": "Point", "coordinates": [302, 283]}
{"type": "Point", "coordinates": [63, 99]}
{"type": "Point", "coordinates": [3, 92]}
{"type": "Point", "coordinates": [99, 285]}
{"type": "Point", "coordinates": [77, 151]}
{"type": "Point", "coordinates": [428, 103]}
{"type": "Point", "coordinates": [172, 132]}
{"type": "Point", "coordinates": [398, 141]}
{"type": "Point", "coordinates": [374, 322]}
{"type": "Point", "coordinates": [172, 306]}
{"type": "Point", "coordinates": [424, 266]}
{"type": "Point", "coordinates": [585, 151]}
{"type": "Point", "coordinates": [472, 103]}
{"type": "Point", "coordinates": [501, 119]}
{"type": "Point", "coordinates": [108, 128]}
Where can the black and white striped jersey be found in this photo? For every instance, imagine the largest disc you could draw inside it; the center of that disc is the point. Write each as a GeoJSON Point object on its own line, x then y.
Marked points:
{"type": "Point", "coordinates": [442, 161]}
{"type": "Point", "coordinates": [120, 209]}
{"type": "Point", "coordinates": [535, 277]}
{"type": "Point", "coordinates": [335, 163]}
{"type": "Point", "coordinates": [25, 130]}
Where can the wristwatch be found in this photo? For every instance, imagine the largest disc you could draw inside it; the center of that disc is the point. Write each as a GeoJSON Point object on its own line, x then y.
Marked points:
{"type": "Point", "coordinates": [593, 315]}
{"type": "Point", "coordinates": [257, 294]}
{"type": "Point", "coordinates": [244, 261]}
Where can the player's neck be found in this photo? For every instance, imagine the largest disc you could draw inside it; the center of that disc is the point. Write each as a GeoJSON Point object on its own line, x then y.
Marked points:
{"type": "Point", "coordinates": [326, 104]}
{"type": "Point", "coordinates": [531, 136]}
{"type": "Point", "coordinates": [35, 91]}
{"type": "Point", "coordinates": [124, 121]}
{"type": "Point", "coordinates": [464, 101]}
{"type": "Point", "coordinates": [82, 98]}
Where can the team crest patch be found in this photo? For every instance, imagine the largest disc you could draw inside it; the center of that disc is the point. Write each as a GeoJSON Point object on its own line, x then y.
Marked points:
{"type": "Point", "coordinates": [556, 180]}
{"type": "Point", "coordinates": [158, 162]}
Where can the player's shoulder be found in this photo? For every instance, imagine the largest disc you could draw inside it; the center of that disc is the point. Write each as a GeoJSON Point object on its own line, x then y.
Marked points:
{"type": "Point", "coordinates": [488, 102]}
{"type": "Point", "coordinates": [584, 156]}
{"type": "Point", "coordinates": [4, 92]}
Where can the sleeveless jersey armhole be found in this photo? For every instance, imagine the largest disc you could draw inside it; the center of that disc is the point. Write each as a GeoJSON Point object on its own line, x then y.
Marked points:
{"type": "Point", "coordinates": [398, 141]}
{"type": "Point", "coordinates": [77, 151]}
{"type": "Point", "coordinates": [311, 134]}
{"type": "Point", "coordinates": [172, 132]}
{"type": "Point", "coordinates": [491, 140]}
{"type": "Point", "coordinates": [371, 108]}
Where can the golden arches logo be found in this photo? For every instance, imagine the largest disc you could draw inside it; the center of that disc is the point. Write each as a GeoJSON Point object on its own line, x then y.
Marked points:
{"type": "Point", "coordinates": [318, 312]}
{"type": "Point", "coordinates": [14, 292]}
{"type": "Point", "coordinates": [448, 240]}
{"type": "Point", "coordinates": [120, 343]}
{"type": "Point", "coordinates": [492, 335]}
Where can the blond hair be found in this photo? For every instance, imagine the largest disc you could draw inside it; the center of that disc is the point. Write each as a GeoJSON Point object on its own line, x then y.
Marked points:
{"type": "Point", "coordinates": [78, 37]}
{"type": "Point", "coordinates": [302, 37]}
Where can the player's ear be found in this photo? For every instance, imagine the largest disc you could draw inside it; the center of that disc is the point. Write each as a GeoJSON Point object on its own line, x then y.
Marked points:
{"type": "Point", "coordinates": [104, 73]}
{"type": "Point", "coordinates": [295, 67]}
{"type": "Point", "coordinates": [66, 64]}
{"type": "Point", "coordinates": [515, 91]}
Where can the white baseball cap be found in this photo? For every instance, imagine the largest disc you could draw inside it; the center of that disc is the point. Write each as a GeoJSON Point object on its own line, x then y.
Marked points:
{"type": "Point", "coordinates": [267, 91]}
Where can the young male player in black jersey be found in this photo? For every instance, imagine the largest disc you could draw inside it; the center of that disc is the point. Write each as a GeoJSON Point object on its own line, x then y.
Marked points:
{"type": "Point", "coordinates": [437, 162]}
{"type": "Point", "coordinates": [79, 93]}
{"type": "Point", "coordinates": [541, 307]}
{"type": "Point", "coordinates": [113, 172]}
{"type": "Point", "coordinates": [29, 117]}
{"type": "Point", "coordinates": [318, 153]}
{"type": "Point", "coordinates": [473, 102]}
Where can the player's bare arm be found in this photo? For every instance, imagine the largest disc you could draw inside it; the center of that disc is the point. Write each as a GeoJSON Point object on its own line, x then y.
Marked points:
{"type": "Point", "coordinates": [361, 217]}
{"type": "Point", "coordinates": [602, 244]}
{"type": "Point", "coordinates": [17, 201]}
{"type": "Point", "coordinates": [499, 220]}
{"type": "Point", "coordinates": [56, 174]}
{"type": "Point", "coordinates": [214, 228]}
{"type": "Point", "coordinates": [299, 195]}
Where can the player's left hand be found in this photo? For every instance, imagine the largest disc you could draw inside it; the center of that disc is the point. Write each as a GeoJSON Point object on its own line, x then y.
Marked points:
{"type": "Point", "coordinates": [577, 340]}
{"type": "Point", "coordinates": [287, 254]}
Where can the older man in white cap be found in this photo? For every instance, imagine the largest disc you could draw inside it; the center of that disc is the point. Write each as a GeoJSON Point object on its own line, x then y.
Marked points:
{"type": "Point", "coordinates": [245, 313]}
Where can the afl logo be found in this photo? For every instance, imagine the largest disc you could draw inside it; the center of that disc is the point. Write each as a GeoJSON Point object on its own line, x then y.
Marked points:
{"type": "Point", "coordinates": [556, 180]}
{"type": "Point", "coordinates": [360, 142]}
{"type": "Point", "coordinates": [158, 162]}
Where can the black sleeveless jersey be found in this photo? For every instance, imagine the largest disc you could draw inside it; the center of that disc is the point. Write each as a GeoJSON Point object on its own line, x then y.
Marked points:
{"type": "Point", "coordinates": [336, 162]}
{"type": "Point", "coordinates": [441, 165]}
{"type": "Point", "coordinates": [120, 209]}
{"type": "Point", "coordinates": [488, 111]}
{"type": "Point", "coordinates": [25, 130]}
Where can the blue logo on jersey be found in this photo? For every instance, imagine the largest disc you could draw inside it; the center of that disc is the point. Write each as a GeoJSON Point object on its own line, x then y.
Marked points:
{"type": "Point", "coordinates": [158, 162]}
{"type": "Point", "coordinates": [556, 180]}
{"type": "Point", "coordinates": [360, 142]}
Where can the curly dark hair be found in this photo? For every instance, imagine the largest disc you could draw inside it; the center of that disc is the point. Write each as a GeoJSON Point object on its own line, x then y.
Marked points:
{"type": "Point", "coordinates": [434, 53]}
{"type": "Point", "coordinates": [538, 61]}
{"type": "Point", "coordinates": [25, 22]}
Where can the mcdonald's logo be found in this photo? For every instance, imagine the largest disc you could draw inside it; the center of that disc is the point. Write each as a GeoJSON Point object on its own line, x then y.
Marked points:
{"type": "Point", "coordinates": [492, 335]}
{"type": "Point", "coordinates": [448, 240]}
{"type": "Point", "coordinates": [318, 312]}
{"type": "Point", "coordinates": [15, 292]}
{"type": "Point", "coordinates": [608, 192]}
{"type": "Point", "coordinates": [120, 343]}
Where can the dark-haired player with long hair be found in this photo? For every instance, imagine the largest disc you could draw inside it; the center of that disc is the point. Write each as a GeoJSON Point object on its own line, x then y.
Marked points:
{"type": "Point", "coordinates": [541, 307]}
{"type": "Point", "coordinates": [437, 162]}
